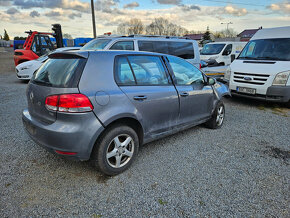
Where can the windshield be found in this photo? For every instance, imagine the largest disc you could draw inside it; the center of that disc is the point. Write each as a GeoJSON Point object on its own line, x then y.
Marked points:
{"type": "Point", "coordinates": [211, 49]}
{"type": "Point", "coordinates": [96, 44]}
{"type": "Point", "coordinates": [267, 49]}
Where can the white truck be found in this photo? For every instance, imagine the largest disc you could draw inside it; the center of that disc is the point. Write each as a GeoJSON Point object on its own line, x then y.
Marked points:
{"type": "Point", "coordinates": [262, 69]}
{"type": "Point", "coordinates": [221, 53]}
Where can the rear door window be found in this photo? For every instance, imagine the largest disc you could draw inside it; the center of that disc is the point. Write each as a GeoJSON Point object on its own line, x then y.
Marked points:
{"type": "Point", "coordinates": [123, 45]}
{"type": "Point", "coordinates": [180, 49]}
{"type": "Point", "coordinates": [140, 70]}
{"type": "Point", "coordinates": [63, 73]}
{"type": "Point", "coordinates": [123, 72]}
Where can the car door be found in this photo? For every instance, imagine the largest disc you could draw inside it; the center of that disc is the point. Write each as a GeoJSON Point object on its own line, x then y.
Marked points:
{"type": "Point", "coordinates": [226, 55]}
{"type": "Point", "coordinates": [146, 82]}
{"type": "Point", "coordinates": [195, 96]}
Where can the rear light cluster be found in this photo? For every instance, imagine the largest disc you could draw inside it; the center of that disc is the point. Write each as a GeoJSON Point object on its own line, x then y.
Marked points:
{"type": "Point", "coordinates": [71, 103]}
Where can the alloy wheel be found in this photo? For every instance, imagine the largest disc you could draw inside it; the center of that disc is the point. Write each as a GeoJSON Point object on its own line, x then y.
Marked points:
{"type": "Point", "coordinates": [120, 151]}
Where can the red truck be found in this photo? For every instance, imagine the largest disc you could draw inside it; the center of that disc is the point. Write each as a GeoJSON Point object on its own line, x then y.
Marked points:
{"type": "Point", "coordinates": [38, 44]}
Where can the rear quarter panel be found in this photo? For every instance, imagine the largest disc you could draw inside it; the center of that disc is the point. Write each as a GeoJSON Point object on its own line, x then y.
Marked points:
{"type": "Point", "coordinates": [97, 82]}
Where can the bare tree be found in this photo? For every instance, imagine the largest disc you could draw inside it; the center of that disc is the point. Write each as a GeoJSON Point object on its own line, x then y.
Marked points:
{"type": "Point", "coordinates": [122, 29]}
{"type": "Point", "coordinates": [226, 33]}
{"type": "Point", "coordinates": [134, 26]}
{"type": "Point", "coordinates": [161, 26]}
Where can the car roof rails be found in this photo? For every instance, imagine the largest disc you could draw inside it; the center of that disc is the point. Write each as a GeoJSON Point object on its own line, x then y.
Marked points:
{"type": "Point", "coordinates": [158, 36]}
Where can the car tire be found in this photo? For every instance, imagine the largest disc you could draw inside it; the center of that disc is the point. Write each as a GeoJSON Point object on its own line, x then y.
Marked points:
{"type": "Point", "coordinates": [218, 117]}
{"type": "Point", "coordinates": [116, 150]}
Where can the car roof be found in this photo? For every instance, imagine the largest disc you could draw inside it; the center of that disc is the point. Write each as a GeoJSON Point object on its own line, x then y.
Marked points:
{"type": "Point", "coordinates": [85, 53]}
{"type": "Point", "coordinates": [272, 33]}
{"type": "Point", "coordinates": [148, 38]}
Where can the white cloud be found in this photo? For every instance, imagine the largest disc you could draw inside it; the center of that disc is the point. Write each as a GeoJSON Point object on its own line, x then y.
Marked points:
{"type": "Point", "coordinates": [132, 5]}
{"type": "Point", "coordinates": [230, 9]}
{"type": "Point", "coordinates": [281, 7]}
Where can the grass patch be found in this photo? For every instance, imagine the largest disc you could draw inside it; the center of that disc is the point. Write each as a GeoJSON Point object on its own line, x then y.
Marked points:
{"type": "Point", "coordinates": [161, 202]}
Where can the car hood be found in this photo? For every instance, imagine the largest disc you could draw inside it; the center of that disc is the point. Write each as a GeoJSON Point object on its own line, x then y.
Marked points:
{"type": "Point", "coordinates": [28, 64]}
{"type": "Point", "coordinates": [259, 66]}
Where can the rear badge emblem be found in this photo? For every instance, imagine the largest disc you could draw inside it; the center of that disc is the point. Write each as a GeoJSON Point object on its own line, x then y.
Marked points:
{"type": "Point", "coordinates": [247, 78]}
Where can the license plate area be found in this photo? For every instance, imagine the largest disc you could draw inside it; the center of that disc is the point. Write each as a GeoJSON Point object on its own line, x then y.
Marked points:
{"type": "Point", "coordinates": [246, 90]}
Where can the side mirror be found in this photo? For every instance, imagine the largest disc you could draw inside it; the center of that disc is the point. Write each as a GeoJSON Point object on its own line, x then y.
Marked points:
{"type": "Point", "coordinates": [227, 52]}
{"type": "Point", "coordinates": [211, 81]}
{"type": "Point", "coordinates": [233, 57]}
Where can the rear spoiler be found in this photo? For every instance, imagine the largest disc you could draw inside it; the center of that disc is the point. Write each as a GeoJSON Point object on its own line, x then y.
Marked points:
{"type": "Point", "coordinates": [69, 55]}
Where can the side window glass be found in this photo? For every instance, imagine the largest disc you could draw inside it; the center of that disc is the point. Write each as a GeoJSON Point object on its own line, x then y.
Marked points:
{"type": "Point", "coordinates": [148, 70]}
{"type": "Point", "coordinates": [123, 73]}
{"type": "Point", "coordinates": [123, 45]}
{"type": "Point", "coordinates": [145, 46]}
{"type": "Point", "coordinates": [228, 49]}
{"type": "Point", "coordinates": [184, 72]}
{"type": "Point", "coordinates": [33, 47]}
{"type": "Point", "coordinates": [181, 49]}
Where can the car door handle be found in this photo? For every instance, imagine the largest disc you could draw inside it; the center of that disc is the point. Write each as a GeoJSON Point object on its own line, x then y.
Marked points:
{"type": "Point", "coordinates": [184, 94]}
{"type": "Point", "coordinates": [140, 97]}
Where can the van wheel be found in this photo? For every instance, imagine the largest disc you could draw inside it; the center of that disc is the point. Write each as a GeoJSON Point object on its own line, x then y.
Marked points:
{"type": "Point", "coordinates": [218, 116]}
{"type": "Point", "coordinates": [116, 150]}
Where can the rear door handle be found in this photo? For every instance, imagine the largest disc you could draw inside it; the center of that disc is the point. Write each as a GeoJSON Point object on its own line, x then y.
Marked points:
{"type": "Point", "coordinates": [140, 97]}
{"type": "Point", "coordinates": [184, 94]}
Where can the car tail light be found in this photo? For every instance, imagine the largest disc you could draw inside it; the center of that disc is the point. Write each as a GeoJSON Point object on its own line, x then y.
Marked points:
{"type": "Point", "coordinates": [200, 66]}
{"type": "Point", "coordinates": [71, 103]}
{"type": "Point", "coordinates": [51, 102]}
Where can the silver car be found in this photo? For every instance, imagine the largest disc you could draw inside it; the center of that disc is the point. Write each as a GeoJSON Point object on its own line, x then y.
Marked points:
{"type": "Point", "coordinates": [103, 105]}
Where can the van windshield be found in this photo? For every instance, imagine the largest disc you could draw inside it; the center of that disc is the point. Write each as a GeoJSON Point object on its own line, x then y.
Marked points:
{"type": "Point", "coordinates": [97, 44]}
{"type": "Point", "coordinates": [212, 49]}
{"type": "Point", "coordinates": [267, 49]}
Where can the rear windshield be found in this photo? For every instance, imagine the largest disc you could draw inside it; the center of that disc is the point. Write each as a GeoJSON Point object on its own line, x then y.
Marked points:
{"type": "Point", "coordinates": [179, 49]}
{"type": "Point", "coordinates": [63, 73]}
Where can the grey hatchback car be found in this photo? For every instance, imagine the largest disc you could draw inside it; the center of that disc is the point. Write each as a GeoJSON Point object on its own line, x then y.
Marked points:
{"type": "Point", "coordinates": [102, 105]}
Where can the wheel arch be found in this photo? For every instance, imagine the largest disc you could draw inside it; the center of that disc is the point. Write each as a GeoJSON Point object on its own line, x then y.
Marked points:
{"type": "Point", "coordinates": [129, 121]}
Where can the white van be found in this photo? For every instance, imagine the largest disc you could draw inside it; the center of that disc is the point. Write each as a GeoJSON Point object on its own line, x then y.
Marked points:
{"type": "Point", "coordinates": [263, 67]}
{"type": "Point", "coordinates": [181, 47]}
{"type": "Point", "coordinates": [221, 53]}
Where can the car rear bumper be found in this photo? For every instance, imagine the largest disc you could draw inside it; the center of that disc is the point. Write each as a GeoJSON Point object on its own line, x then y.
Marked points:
{"type": "Point", "coordinates": [274, 94]}
{"type": "Point", "coordinates": [75, 133]}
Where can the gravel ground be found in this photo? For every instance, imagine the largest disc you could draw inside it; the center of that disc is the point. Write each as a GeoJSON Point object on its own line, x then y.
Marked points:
{"type": "Point", "coordinates": [240, 170]}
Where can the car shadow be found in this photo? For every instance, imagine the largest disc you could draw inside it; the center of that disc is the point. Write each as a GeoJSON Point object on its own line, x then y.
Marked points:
{"type": "Point", "coordinates": [257, 103]}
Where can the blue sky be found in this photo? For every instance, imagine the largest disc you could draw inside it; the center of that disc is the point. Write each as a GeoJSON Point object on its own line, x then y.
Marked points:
{"type": "Point", "coordinates": [18, 16]}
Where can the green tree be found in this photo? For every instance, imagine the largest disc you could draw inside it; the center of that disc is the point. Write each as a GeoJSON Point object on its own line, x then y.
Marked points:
{"type": "Point", "coordinates": [6, 37]}
{"type": "Point", "coordinates": [206, 35]}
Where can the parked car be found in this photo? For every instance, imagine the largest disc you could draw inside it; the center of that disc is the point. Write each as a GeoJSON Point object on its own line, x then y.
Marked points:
{"type": "Point", "coordinates": [25, 70]}
{"type": "Point", "coordinates": [180, 47]}
{"type": "Point", "coordinates": [221, 53]}
{"type": "Point", "coordinates": [102, 105]}
{"type": "Point", "coordinates": [263, 67]}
